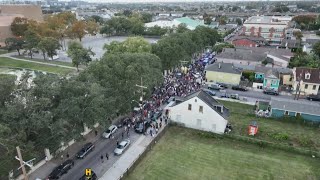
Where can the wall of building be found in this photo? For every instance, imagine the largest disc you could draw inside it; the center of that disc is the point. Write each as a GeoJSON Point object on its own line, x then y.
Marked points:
{"type": "Point", "coordinates": [227, 78]}
{"type": "Point", "coordinates": [287, 79]}
{"type": "Point", "coordinates": [271, 83]}
{"type": "Point", "coordinates": [311, 89]}
{"type": "Point", "coordinates": [278, 61]}
{"type": "Point", "coordinates": [236, 61]}
{"type": "Point", "coordinates": [29, 11]}
{"type": "Point", "coordinates": [245, 43]}
{"type": "Point", "coordinates": [280, 113]}
{"type": "Point", "coordinates": [210, 120]}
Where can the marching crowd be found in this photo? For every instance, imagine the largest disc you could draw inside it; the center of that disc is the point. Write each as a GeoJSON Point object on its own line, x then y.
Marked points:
{"type": "Point", "coordinates": [179, 83]}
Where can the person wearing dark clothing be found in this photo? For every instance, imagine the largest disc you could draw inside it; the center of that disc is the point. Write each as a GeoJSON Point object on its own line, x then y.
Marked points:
{"type": "Point", "coordinates": [166, 120]}
{"type": "Point", "coordinates": [122, 135]}
{"type": "Point", "coordinates": [67, 155]}
{"type": "Point", "coordinates": [117, 143]}
{"type": "Point", "coordinates": [101, 157]}
{"type": "Point", "coordinates": [107, 156]}
{"type": "Point", "coordinates": [96, 132]}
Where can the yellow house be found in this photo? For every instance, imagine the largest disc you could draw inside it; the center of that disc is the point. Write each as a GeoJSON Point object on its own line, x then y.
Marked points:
{"type": "Point", "coordinates": [306, 80]}
{"type": "Point", "coordinates": [223, 73]}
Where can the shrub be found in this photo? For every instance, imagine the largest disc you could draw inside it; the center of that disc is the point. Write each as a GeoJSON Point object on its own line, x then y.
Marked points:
{"type": "Point", "coordinates": [280, 136]}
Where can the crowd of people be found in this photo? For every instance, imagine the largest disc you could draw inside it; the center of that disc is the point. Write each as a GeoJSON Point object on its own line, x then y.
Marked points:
{"type": "Point", "coordinates": [178, 83]}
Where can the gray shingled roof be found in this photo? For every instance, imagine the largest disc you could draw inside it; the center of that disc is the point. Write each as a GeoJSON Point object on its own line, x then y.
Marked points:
{"type": "Point", "coordinates": [295, 106]}
{"type": "Point", "coordinates": [210, 101]}
{"type": "Point", "coordinates": [241, 54]}
{"type": "Point", "coordinates": [224, 67]}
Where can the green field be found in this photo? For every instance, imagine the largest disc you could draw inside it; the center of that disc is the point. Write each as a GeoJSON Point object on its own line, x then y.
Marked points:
{"type": "Point", "coordinates": [184, 154]}
{"type": "Point", "coordinates": [273, 130]}
{"type": "Point", "coordinates": [46, 61]}
{"type": "Point", "coordinates": [8, 62]}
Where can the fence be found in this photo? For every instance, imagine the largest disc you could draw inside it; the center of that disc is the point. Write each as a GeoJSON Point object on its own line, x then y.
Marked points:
{"type": "Point", "coordinates": [142, 155]}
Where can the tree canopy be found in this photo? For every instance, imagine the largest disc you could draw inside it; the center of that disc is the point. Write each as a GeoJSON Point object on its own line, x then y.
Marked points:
{"type": "Point", "coordinates": [131, 45]}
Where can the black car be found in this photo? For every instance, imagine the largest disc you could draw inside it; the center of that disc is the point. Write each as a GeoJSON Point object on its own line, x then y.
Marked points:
{"type": "Point", "coordinates": [93, 177]}
{"type": "Point", "coordinates": [87, 148]}
{"type": "Point", "coordinates": [61, 169]}
{"type": "Point", "coordinates": [239, 88]}
{"type": "Point", "coordinates": [313, 97]}
{"type": "Point", "coordinates": [156, 115]}
{"type": "Point", "coordinates": [271, 92]}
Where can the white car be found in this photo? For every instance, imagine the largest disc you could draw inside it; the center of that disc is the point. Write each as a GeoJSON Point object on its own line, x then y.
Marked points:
{"type": "Point", "coordinates": [112, 129]}
{"type": "Point", "coordinates": [123, 145]}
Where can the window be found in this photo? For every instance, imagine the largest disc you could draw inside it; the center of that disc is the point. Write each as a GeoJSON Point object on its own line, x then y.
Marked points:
{"type": "Point", "coordinates": [314, 87]}
{"type": "Point", "coordinates": [199, 122]}
{"type": "Point", "coordinates": [286, 113]}
{"type": "Point", "coordinates": [201, 109]}
{"type": "Point", "coordinates": [307, 76]}
{"type": "Point", "coordinates": [189, 107]}
{"type": "Point", "coordinates": [195, 100]}
{"type": "Point", "coordinates": [306, 86]}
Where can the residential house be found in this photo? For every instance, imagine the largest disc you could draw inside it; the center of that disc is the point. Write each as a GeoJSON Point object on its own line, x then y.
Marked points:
{"type": "Point", "coordinates": [223, 73]}
{"type": "Point", "coordinates": [200, 111]}
{"type": "Point", "coordinates": [306, 80]}
{"type": "Point", "coordinates": [281, 107]}
{"type": "Point", "coordinates": [255, 56]}
{"type": "Point", "coordinates": [272, 28]}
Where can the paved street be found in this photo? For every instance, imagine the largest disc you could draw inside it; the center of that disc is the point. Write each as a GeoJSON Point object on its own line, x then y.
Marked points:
{"type": "Point", "coordinates": [93, 161]}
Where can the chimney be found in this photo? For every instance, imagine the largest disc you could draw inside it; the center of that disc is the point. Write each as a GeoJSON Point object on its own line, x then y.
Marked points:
{"type": "Point", "coordinates": [219, 65]}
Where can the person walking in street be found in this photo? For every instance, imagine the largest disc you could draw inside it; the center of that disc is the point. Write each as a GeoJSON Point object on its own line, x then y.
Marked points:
{"type": "Point", "coordinates": [128, 133]}
{"type": "Point", "coordinates": [107, 156]}
{"type": "Point", "coordinates": [96, 132]}
{"type": "Point", "coordinates": [67, 155]}
{"type": "Point", "coordinates": [101, 158]}
{"type": "Point", "coordinates": [117, 143]}
{"type": "Point", "coordinates": [166, 120]}
{"type": "Point", "coordinates": [122, 134]}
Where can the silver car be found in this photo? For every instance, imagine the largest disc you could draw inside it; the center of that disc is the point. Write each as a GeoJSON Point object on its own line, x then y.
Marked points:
{"type": "Point", "coordinates": [112, 129]}
{"type": "Point", "coordinates": [123, 145]}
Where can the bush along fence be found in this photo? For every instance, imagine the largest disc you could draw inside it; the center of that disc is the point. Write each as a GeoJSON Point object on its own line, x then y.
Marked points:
{"type": "Point", "coordinates": [144, 153]}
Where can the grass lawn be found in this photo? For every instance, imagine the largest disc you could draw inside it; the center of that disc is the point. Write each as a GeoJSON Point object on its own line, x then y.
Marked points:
{"type": "Point", "coordinates": [184, 154]}
{"type": "Point", "coordinates": [46, 61]}
{"type": "Point", "coordinates": [8, 62]}
{"type": "Point", "coordinates": [273, 130]}
{"type": "Point", "coordinates": [2, 51]}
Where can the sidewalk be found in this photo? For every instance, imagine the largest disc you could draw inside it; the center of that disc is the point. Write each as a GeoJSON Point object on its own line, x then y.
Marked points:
{"type": "Point", "coordinates": [129, 157]}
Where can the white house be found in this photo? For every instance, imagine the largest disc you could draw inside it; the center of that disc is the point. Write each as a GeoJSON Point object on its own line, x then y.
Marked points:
{"type": "Point", "coordinates": [200, 111]}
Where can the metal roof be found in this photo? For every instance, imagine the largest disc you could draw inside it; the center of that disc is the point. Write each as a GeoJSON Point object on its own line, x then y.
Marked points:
{"type": "Point", "coordinates": [306, 107]}
{"type": "Point", "coordinates": [223, 67]}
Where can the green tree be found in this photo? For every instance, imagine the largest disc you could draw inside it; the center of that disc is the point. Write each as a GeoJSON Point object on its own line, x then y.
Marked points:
{"type": "Point", "coordinates": [7, 85]}
{"type": "Point", "coordinates": [79, 54]}
{"type": "Point", "coordinates": [14, 44]}
{"type": "Point", "coordinates": [31, 41]}
{"type": "Point", "coordinates": [239, 21]}
{"type": "Point", "coordinates": [182, 28]}
{"type": "Point", "coordinates": [97, 19]}
{"type": "Point", "coordinates": [77, 30]}
{"type": "Point", "coordinates": [131, 45]}
{"type": "Point", "coordinates": [316, 48]}
{"type": "Point", "coordinates": [146, 17]}
{"type": "Point", "coordinates": [19, 26]}
{"type": "Point", "coordinates": [137, 26]}
{"type": "Point", "coordinates": [221, 8]}
{"type": "Point", "coordinates": [49, 45]}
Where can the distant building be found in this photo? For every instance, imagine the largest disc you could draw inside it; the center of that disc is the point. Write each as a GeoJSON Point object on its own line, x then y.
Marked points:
{"type": "Point", "coordinates": [162, 24]}
{"type": "Point", "coordinates": [308, 79]}
{"type": "Point", "coordinates": [255, 56]}
{"type": "Point", "coordinates": [223, 73]}
{"type": "Point", "coordinates": [9, 12]}
{"type": "Point", "coordinates": [200, 111]}
{"type": "Point", "coordinates": [190, 23]}
{"type": "Point", "coordinates": [269, 27]}
{"type": "Point", "coordinates": [248, 41]}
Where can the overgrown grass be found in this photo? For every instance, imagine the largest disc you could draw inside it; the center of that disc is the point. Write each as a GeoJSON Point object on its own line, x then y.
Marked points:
{"type": "Point", "coordinates": [185, 154]}
{"type": "Point", "coordinates": [285, 131]}
{"type": "Point", "coordinates": [12, 63]}
{"type": "Point", "coordinates": [46, 61]}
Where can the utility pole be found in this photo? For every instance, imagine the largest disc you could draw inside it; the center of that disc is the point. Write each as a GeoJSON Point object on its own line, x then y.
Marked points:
{"type": "Point", "coordinates": [22, 164]}
{"type": "Point", "coordinates": [142, 87]}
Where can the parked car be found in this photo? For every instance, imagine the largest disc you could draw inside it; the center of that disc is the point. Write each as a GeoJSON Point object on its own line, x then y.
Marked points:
{"type": "Point", "coordinates": [271, 92]}
{"type": "Point", "coordinates": [86, 149]}
{"type": "Point", "coordinates": [211, 93]}
{"type": "Point", "coordinates": [61, 169]}
{"type": "Point", "coordinates": [112, 129]}
{"type": "Point", "coordinates": [123, 145]}
{"type": "Point", "coordinates": [214, 87]}
{"type": "Point", "coordinates": [313, 97]}
{"type": "Point", "coordinates": [234, 96]}
{"type": "Point", "coordinates": [222, 85]}
{"type": "Point", "coordinates": [239, 88]}
{"type": "Point", "coordinates": [93, 177]}
{"type": "Point", "coordinates": [141, 126]}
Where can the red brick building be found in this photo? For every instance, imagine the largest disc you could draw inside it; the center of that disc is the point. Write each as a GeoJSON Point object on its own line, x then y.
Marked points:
{"type": "Point", "coordinates": [248, 41]}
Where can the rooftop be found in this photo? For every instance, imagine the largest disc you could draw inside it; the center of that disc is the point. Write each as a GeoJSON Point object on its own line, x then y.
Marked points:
{"type": "Point", "coordinates": [295, 105]}
{"type": "Point", "coordinates": [190, 22]}
{"type": "Point", "coordinates": [268, 20]}
{"type": "Point", "coordinates": [223, 67]}
{"type": "Point", "coordinates": [314, 74]}
{"type": "Point", "coordinates": [241, 54]}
